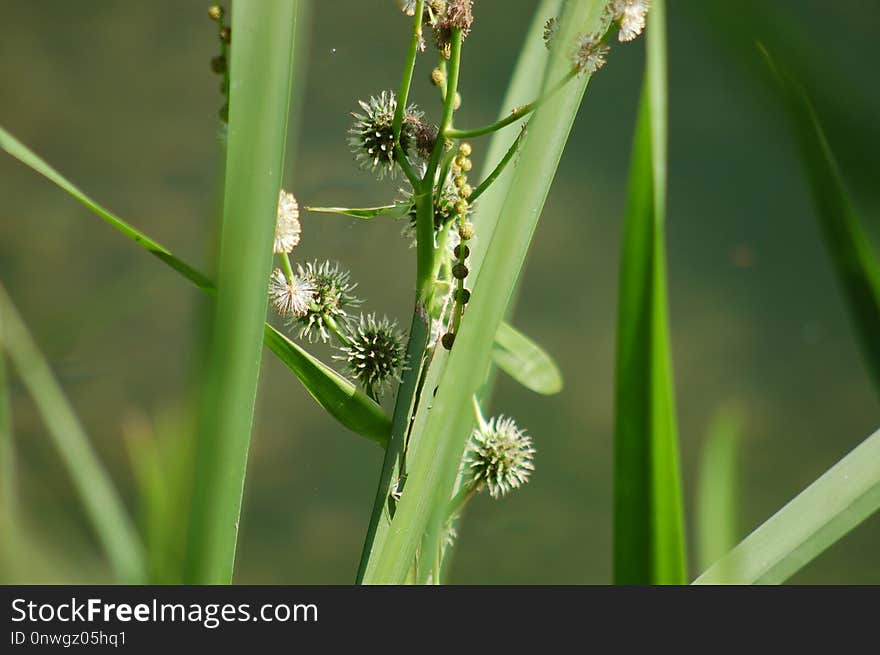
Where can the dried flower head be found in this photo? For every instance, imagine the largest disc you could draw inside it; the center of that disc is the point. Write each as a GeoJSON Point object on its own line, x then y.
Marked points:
{"type": "Point", "coordinates": [375, 353]}
{"type": "Point", "coordinates": [590, 54]}
{"type": "Point", "coordinates": [500, 456]}
{"type": "Point", "coordinates": [331, 297]}
{"type": "Point", "coordinates": [290, 298]}
{"type": "Point", "coordinates": [632, 15]}
{"type": "Point", "coordinates": [551, 29]}
{"type": "Point", "coordinates": [457, 14]}
{"type": "Point", "coordinates": [372, 135]}
{"type": "Point", "coordinates": [288, 229]}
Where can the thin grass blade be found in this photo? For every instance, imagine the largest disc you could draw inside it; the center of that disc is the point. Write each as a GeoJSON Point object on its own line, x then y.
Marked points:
{"type": "Point", "coordinates": [716, 504]}
{"type": "Point", "coordinates": [525, 361]}
{"type": "Point", "coordinates": [397, 210]}
{"type": "Point", "coordinates": [260, 82]}
{"type": "Point", "coordinates": [93, 485]}
{"type": "Point", "coordinates": [354, 408]}
{"type": "Point", "coordinates": [823, 513]}
{"type": "Point", "coordinates": [648, 521]}
{"type": "Point", "coordinates": [854, 258]}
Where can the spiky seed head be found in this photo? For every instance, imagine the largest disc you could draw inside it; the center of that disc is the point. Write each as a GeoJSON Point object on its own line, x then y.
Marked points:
{"type": "Point", "coordinates": [551, 29]}
{"type": "Point", "coordinates": [632, 15]}
{"type": "Point", "coordinates": [290, 298]}
{"type": "Point", "coordinates": [288, 229]}
{"type": "Point", "coordinates": [332, 297]}
{"type": "Point", "coordinates": [500, 456]}
{"type": "Point", "coordinates": [590, 54]}
{"type": "Point", "coordinates": [372, 135]}
{"type": "Point", "coordinates": [375, 354]}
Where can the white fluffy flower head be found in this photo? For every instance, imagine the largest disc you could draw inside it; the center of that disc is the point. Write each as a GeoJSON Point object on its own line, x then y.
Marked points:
{"type": "Point", "coordinates": [287, 226]}
{"type": "Point", "coordinates": [632, 15]}
{"type": "Point", "coordinates": [290, 298]}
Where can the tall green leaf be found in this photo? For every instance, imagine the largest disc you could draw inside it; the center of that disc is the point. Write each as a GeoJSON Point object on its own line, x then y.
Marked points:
{"type": "Point", "coordinates": [355, 410]}
{"type": "Point", "coordinates": [94, 486]}
{"type": "Point", "coordinates": [716, 492]}
{"type": "Point", "coordinates": [260, 82]}
{"type": "Point", "coordinates": [843, 497]}
{"type": "Point", "coordinates": [441, 442]}
{"type": "Point", "coordinates": [853, 257]}
{"type": "Point", "coordinates": [648, 522]}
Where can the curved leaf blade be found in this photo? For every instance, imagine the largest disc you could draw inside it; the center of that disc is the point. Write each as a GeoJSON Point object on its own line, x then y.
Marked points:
{"type": "Point", "coordinates": [851, 252]}
{"type": "Point", "coordinates": [97, 493]}
{"type": "Point", "coordinates": [330, 390]}
{"type": "Point", "coordinates": [525, 361]}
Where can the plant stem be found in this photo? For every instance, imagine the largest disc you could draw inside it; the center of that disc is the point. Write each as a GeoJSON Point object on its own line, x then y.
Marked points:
{"type": "Point", "coordinates": [406, 81]}
{"type": "Point", "coordinates": [336, 330]}
{"type": "Point", "coordinates": [288, 269]}
{"type": "Point", "coordinates": [514, 116]}
{"type": "Point", "coordinates": [425, 203]}
{"type": "Point", "coordinates": [401, 158]}
{"type": "Point", "coordinates": [485, 184]}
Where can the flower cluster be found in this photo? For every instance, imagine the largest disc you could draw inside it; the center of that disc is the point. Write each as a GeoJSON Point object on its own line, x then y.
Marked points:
{"type": "Point", "coordinates": [500, 456]}
{"type": "Point", "coordinates": [372, 136]}
{"type": "Point", "coordinates": [374, 353]}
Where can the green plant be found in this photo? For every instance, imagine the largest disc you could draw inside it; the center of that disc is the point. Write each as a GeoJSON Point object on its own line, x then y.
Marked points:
{"type": "Point", "coordinates": [471, 235]}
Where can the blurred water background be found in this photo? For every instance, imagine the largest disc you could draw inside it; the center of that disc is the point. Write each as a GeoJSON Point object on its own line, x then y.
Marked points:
{"type": "Point", "coordinates": [119, 96]}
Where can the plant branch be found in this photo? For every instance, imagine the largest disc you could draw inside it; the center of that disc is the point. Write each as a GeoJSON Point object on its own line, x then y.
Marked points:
{"type": "Point", "coordinates": [514, 116]}
{"type": "Point", "coordinates": [496, 172]}
{"type": "Point", "coordinates": [406, 81]}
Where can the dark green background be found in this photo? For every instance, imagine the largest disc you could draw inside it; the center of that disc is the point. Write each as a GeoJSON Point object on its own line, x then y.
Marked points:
{"type": "Point", "coordinates": [118, 95]}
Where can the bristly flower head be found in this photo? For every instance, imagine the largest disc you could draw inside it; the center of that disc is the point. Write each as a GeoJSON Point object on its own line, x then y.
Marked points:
{"type": "Point", "coordinates": [551, 29]}
{"type": "Point", "coordinates": [375, 353]}
{"type": "Point", "coordinates": [500, 455]}
{"type": "Point", "coordinates": [589, 53]}
{"type": "Point", "coordinates": [290, 298]}
{"type": "Point", "coordinates": [372, 135]}
{"type": "Point", "coordinates": [632, 15]}
{"type": "Point", "coordinates": [332, 296]}
{"type": "Point", "coordinates": [288, 229]}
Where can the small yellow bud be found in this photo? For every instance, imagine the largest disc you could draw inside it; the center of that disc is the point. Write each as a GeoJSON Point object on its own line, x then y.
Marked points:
{"type": "Point", "coordinates": [465, 190]}
{"type": "Point", "coordinates": [466, 165]}
{"type": "Point", "coordinates": [465, 149]}
{"type": "Point", "coordinates": [466, 231]}
{"type": "Point", "coordinates": [438, 77]}
{"type": "Point", "coordinates": [457, 102]}
{"type": "Point", "coordinates": [461, 207]}
{"type": "Point", "coordinates": [215, 12]}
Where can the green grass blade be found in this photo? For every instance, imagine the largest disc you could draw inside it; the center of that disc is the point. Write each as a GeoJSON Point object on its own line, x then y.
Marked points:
{"type": "Point", "coordinates": [21, 152]}
{"type": "Point", "coordinates": [397, 210]}
{"type": "Point", "coordinates": [94, 486]}
{"type": "Point", "coordinates": [851, 252]}
{"type": "Point", "coordinates": [260, 82]}
{"type": "Point", "coordinates": [9, 527]}
{"type": "Point", "coordinates": [435, 462]}
{"type": "Point", "coordinates": [333, 392]}
{"type": "Point", "coordinates": [358, 409]}
{"type": "Point", "coordinates": [717, 491]}
{"type": "Point", "coordinates": [525, 361]}
{"type": "Point", "coordinates": [648, 522]}
{"type": "Point", "coordinates": [843, 497]}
